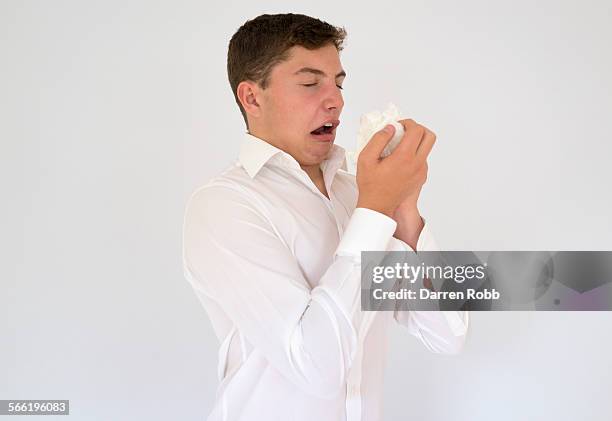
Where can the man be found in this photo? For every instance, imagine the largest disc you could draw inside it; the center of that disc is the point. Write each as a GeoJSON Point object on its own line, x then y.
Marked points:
{"type": "Point", "coordinates": [272, 245]}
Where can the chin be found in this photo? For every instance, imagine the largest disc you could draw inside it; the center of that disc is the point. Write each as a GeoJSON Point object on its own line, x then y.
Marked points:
{"type": "Point", "coordinates": [315, 157]}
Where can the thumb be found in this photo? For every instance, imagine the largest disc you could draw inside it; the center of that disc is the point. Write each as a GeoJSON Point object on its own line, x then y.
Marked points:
{"type": "Point", "coordinates": [373, 149]}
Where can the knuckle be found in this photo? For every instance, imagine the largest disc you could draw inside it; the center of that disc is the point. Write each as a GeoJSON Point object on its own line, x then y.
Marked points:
{"type": "Point", "coordinates": [429, 131]}
{"type": "Point", "coordinates": [408, 123]}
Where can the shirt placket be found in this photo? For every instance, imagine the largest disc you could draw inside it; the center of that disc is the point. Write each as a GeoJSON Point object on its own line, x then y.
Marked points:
{"type": "Point", "coordinates": [354, 376]}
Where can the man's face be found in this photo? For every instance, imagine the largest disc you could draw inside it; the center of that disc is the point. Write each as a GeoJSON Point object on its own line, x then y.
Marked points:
{"type": "Point", "coordinates": [302, 96]}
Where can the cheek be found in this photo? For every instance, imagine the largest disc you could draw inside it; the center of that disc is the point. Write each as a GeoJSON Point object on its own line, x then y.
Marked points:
{"type": "Point", "coordinates": [276, 109]}
{"type": "Point", "coordinates": [304, 107]}
{"type": "Point", "coordinates": [296, 109]}
{"type": "Point", "coordinates": [293, 110]}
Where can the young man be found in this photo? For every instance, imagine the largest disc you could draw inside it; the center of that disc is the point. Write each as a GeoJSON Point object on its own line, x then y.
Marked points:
{"type": "Point", "coordinates": [272, 245]}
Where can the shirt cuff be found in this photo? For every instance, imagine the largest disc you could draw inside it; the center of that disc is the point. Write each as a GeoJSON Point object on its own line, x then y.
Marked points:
{"type": "Point", "coordinates": [367, 230]}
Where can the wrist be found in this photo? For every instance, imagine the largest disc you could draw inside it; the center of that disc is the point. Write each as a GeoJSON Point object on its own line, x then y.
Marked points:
{"type": "Point", "coordinates": [381, 209]}
{"type": "Point", "coordinates": [409, 225]}
{"type": "Point", "coordinates": [406, 214]}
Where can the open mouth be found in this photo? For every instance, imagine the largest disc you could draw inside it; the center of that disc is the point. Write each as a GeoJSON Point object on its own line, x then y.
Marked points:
{"type": "Point", "coordinates": [326, 128]}
{"type": "Point", "coordinates": [326, 131]}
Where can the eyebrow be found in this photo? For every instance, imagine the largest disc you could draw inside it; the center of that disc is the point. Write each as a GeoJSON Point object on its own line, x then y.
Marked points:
{"type": "Point", "coordinates": [317, 72]}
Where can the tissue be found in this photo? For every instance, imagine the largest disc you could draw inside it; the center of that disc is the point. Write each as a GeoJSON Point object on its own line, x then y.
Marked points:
{"type": "Point", "coordinates": [374, 121]}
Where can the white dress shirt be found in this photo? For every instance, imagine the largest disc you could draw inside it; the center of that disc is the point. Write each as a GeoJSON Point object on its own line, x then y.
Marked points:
{"type": "Point", "coordinates": [276, 265]}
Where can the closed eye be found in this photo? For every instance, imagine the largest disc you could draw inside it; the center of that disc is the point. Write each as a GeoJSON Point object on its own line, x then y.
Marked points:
{"type": "Point", "coordinates": [314, 84]}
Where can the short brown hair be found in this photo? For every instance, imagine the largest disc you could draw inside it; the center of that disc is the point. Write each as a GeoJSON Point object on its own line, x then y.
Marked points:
{"type": "Point", "coordinates": [264, 41]}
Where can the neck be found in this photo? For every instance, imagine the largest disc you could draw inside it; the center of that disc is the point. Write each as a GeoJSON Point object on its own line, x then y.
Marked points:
{"type": "Point", "coordinates": [314, 172]}
{"type": "Point", "coordinates": [316, 175]}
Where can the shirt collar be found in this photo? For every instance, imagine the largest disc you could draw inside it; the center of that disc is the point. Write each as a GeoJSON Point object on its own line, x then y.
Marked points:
{"type": "Point", "coordinates": [255, 153]}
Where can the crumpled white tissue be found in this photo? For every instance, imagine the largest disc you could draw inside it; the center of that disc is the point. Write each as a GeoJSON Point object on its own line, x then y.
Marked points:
{"type": "Point", "coordinates": [374, 121]}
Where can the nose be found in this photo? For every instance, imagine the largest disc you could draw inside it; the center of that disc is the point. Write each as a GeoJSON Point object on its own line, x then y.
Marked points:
{"type": "Point", "coordinates": [333, 98]}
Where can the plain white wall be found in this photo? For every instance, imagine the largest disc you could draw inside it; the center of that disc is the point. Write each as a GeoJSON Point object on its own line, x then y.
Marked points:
{"type": "Point", "coordinates": [113, 112]}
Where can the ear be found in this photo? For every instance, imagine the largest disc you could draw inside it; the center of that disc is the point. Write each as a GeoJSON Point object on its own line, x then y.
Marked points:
{"type": "Point", "coordinates": [248, 93]}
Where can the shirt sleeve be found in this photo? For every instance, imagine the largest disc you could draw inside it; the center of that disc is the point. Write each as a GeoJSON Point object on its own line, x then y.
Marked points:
{"type": "Point", "coordinates": [233, 254]}
{"type": "Point", "coordinates": [442, 332]}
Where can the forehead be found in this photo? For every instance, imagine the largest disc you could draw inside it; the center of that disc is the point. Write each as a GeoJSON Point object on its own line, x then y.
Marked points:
{"type": "Point", "coordinates": [326, 58]}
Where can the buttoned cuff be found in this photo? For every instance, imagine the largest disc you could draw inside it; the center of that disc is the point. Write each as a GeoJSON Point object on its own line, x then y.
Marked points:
{"type": "Point", "coordinates": [367, 230]}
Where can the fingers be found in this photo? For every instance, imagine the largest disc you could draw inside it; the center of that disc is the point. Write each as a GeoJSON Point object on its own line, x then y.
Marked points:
{"type": "Point", "coordinates": [418, 140]}
{"type": "Point", "coordinates": [424, 171]}
{"type": "Point", "coordinates": [375, 146]}
{"type": "Point", "coordinates": [426, 144]}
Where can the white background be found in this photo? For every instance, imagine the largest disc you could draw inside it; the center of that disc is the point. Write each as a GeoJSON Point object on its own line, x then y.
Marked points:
{"type": "Point", "coordinates": [113, 112]}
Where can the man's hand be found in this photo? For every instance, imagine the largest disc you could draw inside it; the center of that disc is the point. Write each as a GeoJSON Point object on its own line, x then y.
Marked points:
{"type": "Point", "coordinates": [407, 216]}
{"type": "Point", "coordinates": [421, 134]}
{"type": "Point", "coordinates": [392, 185]}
